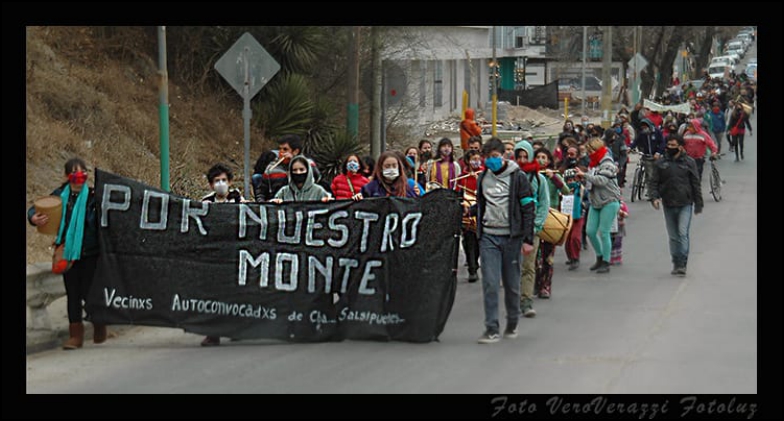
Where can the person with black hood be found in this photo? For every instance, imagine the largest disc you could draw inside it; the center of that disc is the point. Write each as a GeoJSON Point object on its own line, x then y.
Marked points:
{"type": "Point", "coordinates": [650, 142]}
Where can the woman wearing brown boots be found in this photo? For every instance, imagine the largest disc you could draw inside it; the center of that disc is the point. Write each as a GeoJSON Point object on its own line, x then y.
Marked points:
{"type": "Point", "coordinates": [78, 229]}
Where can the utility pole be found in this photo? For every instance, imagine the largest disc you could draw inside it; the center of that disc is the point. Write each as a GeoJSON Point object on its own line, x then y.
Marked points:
{"type": "Point", "coordinates": [352, 112]}
{"type": "Point", "coordinates": [495, 86]}
{"type": "Point", "coordinates": [375, 105]}
{"type": "Point", "coordinates": [585, 47]}
{"type": "Point", "coordinates": [163, 107]}
{"type": "Point", "coordinates": [606, 77]}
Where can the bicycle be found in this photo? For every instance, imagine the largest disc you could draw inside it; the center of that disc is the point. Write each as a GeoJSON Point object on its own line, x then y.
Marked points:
{"type": "Point", "coordinates": [638, 180]}
{"type": "Point", "coordinates": [715, 180]}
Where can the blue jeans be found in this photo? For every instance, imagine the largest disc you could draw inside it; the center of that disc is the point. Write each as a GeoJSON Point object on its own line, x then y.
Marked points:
{"type": "Point", "coordinates": [678, 221]}
{"type": "Point", "coordinates": [600, 221]}
{"type": "Point", "coordinates": [501, 263]}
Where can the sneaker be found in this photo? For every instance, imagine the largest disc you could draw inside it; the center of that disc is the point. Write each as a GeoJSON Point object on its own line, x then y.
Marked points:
{"type": "Point", "coordinates": [569, 262]}
{"type": "Point", "coordinates": [529, 312]}
{"type": "Point", "coordinates": [489, 337]}
{"type": "Point", "coordinates": [544, 295]}
{"type": "Point", "coordinates": [599, 263]}
{"type": "Point", "coordinates": [473, 277]}
{"type": "Point", "coordinates": [681, 271]}
{"type": "Point", "coordinates": [604, 268]}
{"type": "Point", "coordinates": [211, 341]}
{"type": "Point", "coordinates": [510, 332]}
{"type": "Point", "coordinates": [575, 264]}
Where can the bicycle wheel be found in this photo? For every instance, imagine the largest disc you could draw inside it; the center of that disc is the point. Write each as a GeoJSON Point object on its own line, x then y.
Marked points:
{"type": "Point", "coordinates": [635, 183]}
{"type": "Point", "coordinates": [715, 183]}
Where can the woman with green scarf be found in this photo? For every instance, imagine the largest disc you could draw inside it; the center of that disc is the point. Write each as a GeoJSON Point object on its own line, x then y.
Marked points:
{"type": "Point", "coordinates": [79, 231]}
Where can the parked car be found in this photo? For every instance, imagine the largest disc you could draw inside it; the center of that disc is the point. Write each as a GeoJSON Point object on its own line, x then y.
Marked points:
{"type": "Point", "coordinates": [751, 71]}
{"type": "Point", "coordinates": [719, 71]}
{"type": "Point", "coordinates": [736, 46]}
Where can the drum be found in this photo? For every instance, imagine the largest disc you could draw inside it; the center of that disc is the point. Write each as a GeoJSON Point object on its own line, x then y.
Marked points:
{"type": "Point", "coordinates": [432, 185]}
{"type": "Point", "coordinates": [556, 227]}
{"type": "Point", "coordinates": [469, 222]}
{"type": "Point", "coordinates": [52, 206]}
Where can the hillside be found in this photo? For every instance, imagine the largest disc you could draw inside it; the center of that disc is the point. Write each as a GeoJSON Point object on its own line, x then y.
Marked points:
{"type": "Point", "coordinates": [81, 103]}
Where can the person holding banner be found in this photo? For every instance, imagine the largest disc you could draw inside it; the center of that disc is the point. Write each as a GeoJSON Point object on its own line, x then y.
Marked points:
{"type": "Point", "coordinates": [302, 184]}
{"type": "Point", "coordinates": [79, 231]}
{"type": "Point", "coordinates": [350, 182]}
{"type": "Point", "coordinates": [219, 176]}
{"type": "Point", "coordinates": [505, 215]}
{"type": "Point", "coordinates": [388, 179]}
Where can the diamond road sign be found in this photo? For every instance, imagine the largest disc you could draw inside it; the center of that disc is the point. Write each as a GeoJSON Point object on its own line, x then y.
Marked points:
{"type": "Point", "coordinates": [638, 62]}
{"type": "Point", "coordinates": [247, 60]}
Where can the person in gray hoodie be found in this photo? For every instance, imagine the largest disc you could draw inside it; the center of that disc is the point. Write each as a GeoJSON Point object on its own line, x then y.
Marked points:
{"type": "Point", "coordinates": [605, 198]}
{"type": "Point", "coordinates": [505, 215]}
{"type": "Point", "coordinates": [302, 186]}
{"type": "Point", "coordinates": [524, 154]}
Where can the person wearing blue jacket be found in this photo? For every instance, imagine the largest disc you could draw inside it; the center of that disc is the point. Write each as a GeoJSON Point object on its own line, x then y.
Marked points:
{"type": "Point", "coordinates": [718, 124]}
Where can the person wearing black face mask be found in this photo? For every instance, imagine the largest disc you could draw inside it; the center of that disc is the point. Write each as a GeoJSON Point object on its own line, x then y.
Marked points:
{"type": "Point", "coordinates": [302, 186]}
{"type": "Point", "coordinates": [675, 184]}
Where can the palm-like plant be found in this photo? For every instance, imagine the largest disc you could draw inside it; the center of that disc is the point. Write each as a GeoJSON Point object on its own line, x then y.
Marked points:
{"type": "Point", "coordinates": [330, 151]}
{"type": "Point", "coordinates": [286, 107]}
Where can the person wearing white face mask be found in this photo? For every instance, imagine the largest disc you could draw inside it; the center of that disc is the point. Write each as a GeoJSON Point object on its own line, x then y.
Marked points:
{"type": "Point", "coordinates": [388, 179]}
{"type": "Point", "coordinates": [220, 176]}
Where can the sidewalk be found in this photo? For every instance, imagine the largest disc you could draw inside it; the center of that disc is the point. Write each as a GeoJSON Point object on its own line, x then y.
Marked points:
{"type": "Point", "coordinates": [42, 340]}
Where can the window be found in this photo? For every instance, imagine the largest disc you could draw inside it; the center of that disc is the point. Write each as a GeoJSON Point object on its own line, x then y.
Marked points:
{"type": "Point", "coordinates": [518, 42]}
{"type": "Point", "coordinates": [438, 84]}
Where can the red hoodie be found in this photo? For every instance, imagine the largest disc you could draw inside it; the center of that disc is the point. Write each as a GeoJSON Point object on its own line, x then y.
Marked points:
{"type": "Point", "coordinates": [468, 128]}
{"type": "Point", "coordinates": [695, 142]}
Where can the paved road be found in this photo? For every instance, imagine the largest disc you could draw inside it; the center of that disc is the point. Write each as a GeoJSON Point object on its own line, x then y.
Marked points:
{"type": "Point", "coordinates": [634, 330]}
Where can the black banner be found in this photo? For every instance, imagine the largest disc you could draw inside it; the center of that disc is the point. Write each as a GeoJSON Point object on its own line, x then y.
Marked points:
{"type": "Point", "coordinates": [379, 269]}
{"type": "Point", "coordinates": [540, 96]}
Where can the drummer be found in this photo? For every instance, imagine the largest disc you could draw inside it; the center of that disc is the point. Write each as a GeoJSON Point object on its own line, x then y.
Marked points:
{"type": "Point", "coordinates": [444, 169]}
{"type": "Point", "coordinates": [556, 187]}
{"type": "Point", "coordinates": [466, 185]}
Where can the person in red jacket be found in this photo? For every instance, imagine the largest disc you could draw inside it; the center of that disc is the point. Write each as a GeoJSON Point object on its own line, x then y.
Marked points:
{"type": "Point", "coordinates": [349, 183]}
{"type": "Point", "coordinates": [467, 187]}
{"type": "Point", "coordinates": [468, 128]}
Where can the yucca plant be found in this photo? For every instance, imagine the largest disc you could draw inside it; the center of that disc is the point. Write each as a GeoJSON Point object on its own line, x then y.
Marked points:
{"type": "Point", "coordinates": [286, 107]}
{"type": "Point", "coordinates": [330, 150]}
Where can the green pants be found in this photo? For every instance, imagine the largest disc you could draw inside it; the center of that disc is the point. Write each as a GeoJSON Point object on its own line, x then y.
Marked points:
{"type": "Point", "coordinates": [598, 227]}
{"type": "Point", "coordinates": [529, 272]}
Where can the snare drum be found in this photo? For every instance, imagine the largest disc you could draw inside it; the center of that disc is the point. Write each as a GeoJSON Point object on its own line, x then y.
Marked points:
{"type": "Point", "coordinates": [556, 227]}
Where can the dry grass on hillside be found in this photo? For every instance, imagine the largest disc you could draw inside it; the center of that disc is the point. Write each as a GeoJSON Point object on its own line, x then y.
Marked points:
{"type": "Point", "coordinates": [82, 103]}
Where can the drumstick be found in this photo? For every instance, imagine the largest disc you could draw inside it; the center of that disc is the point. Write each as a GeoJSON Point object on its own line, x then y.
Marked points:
{"type": "Point", "coordinates": [276, 163]}
{"type": "Point", "coordinates": [461, 177]}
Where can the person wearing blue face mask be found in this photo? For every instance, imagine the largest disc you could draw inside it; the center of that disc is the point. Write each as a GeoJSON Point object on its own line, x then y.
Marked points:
{"type": "Point", "coordinates": [505, 227]}
{"type": "Point", "coordinates": [348, 184]}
